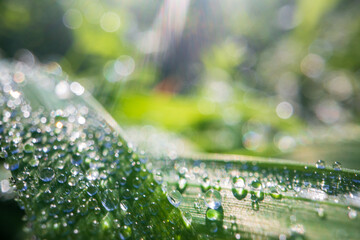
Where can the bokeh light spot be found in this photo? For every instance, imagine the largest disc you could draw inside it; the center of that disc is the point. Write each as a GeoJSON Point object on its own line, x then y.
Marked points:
{"type": "Point", "coordinates": [73, 19]}
{"type": "Point", "coordinates": [110, 22]}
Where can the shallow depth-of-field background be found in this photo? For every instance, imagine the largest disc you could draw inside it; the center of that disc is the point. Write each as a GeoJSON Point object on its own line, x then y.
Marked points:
{"type": "Point", "coordinates": [263, 78]}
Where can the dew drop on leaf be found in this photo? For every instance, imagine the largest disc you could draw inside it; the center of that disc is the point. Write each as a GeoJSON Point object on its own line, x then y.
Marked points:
{"type": "Point", "coordinates": [187, 217]}
{"type": "Point", "coordinates": [158, 176]}
{"type": "Point", "coordinates": [212, 199]}
{"type": "Point", "coordinates": [46, 174]}
{"type": "Point", "coordinates": [92, 174]}
{"type": "Point", "coordinates": [175, 198]}
{"type": "Point", "coordinates": [205, 185]}
{"type": "Point", "coordinates": [124, 205]}
{"type": "Point", "coordinates": [238, 188]}
{"type": "Point", "coordinates": [182, 184]}
{"type": "Point", "coordinates": [107, 200]}
{"type": "Point", "coordinates": [320, 164]}
{"type": "Point", "coordinates": [61, 178]}
{"type": "Point", "coordinates": [213, 215]}
{"type": "Point", "coordinates": [337, 166]}
{"type": "Point", "coordinates": [29, 148]}
{"type": "Point", "coordinates": [255, 205]}
{"type": "Point", "coordinates": [91, 190]}
{"type": "Point", "coordinates": [275, 193]}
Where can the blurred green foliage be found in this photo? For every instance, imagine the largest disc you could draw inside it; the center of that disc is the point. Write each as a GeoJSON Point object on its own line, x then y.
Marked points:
{"type": "Point", "coordinates": [269, 78]}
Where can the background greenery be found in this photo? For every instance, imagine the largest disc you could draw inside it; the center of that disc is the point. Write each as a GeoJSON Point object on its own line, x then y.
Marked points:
{"type": "Point", "coordinates": [266, 78]}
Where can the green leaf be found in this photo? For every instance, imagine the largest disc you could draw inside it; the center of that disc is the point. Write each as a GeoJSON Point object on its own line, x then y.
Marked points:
{"type": "Point", "coordinates": [77, 177]}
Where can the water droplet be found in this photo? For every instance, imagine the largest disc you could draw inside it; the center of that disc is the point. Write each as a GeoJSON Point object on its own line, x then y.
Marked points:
{"type": "Point", "coordinates": [205, 185]}
{"type": "Point", "coordinates": [61, 178]}
{"type": "Point", "coordinates": [182, 184]}
{"type": "Point", "coordinates": [154, 208]}
{"type": "Point", "coordinates": [91, 190]}
{"type": "Point", "coordinates": [238, 188]}
{"type": "Point", "coordinates": [68, 206]}
{"type": "Point", "coordinates": [275, 193]}
{"type": "Point", "coordinates": [255, 205]}
{"type": "Point", "coordinates": [217, 185]}
{"type": "Point", "coordinates": [125, 232]}
{"type": "Point", "coordinates": [29, 148]}
{"type": "Point", "coordinates": [92, 174]}
{"type": "Point", "coordinates": [320, 164]}
{"type": "Point", "coordinates": [337, 166]}
{"type": "Point", "coordinates": [212, 215]}
{"type": "Point", "coordinates": [175, 198]}
{"type": "Point", "coordinates": [72, 181]}
{"type": "Point", "coordinates": [158, 176]}
{"type": "Point", "coordinates": [124, 205]}
{"type": "Point", "coordinates": [136, 182]}
{"type": "Point", "coordinates": [76, 159]}
{"type": "Point", "coordinates": [34, 162]}
{"type": "Point", "coordinates": [128, 219]}
{"type": "Point", "coordinates": [212, 199]}
{"type": "Point", "coordinates": [256, 190]}
{"type": "Point", "coordinates": [107, 200]}
{"type": "Point", "coordinates": [187, 217]}
{"type": "Point", "coordinates": [46, 174]}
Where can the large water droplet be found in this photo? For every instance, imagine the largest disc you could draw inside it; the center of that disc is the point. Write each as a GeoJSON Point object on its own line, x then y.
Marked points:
{"type": "Point", "coordinates": [275, 193]}
{"type": "Point", "coordinates": [107, 200]}
{"type": "Point", "coordinates": [320, 164]}
{"type": "Point", "coordinates": [91, 190]}
{"type": "Point", "coordinates": [175, 198]}
{"type": "Point", "coordinates": [124, 205]}
{"type": "Point", "coordinates": [28, 147]}
{"type": "Point", "coordinates": [238, 188]}
{"type": "Point", "coordinates": [76, 159]}
{"type": "Point", "coordinates": [182, 184]}
{"type": "Point", "coordinates": [256, 190]}
{"type": "Point", "coordinates": [212, 199]}
{"type": "Point", "coordinates": [46, 174]}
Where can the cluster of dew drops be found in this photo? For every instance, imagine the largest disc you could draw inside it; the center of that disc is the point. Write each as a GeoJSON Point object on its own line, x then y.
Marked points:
{"type": "Point", "coordinates": [73, 164]}
{"type": "Point", "coordinates": [313, 185]}
{"type": "Point", "coordinates": [76, 177]}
